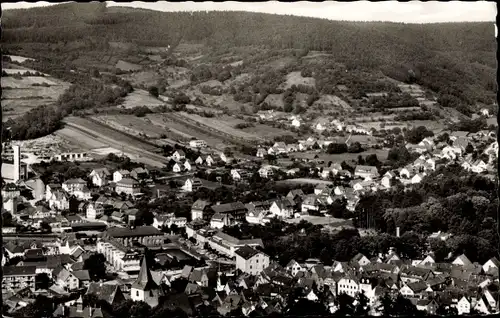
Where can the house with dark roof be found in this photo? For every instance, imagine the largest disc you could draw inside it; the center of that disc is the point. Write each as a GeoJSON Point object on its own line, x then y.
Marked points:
{"type": "Point", "coordinates": [17, 277]}
{"type": "Point", "coordinates": [236, 209]}
{"type": "Point", "coordinates": [227, 245]}
{"type": "Point", "coordinates": [250, 260]}
{"type": "Point", "coordinates": [112, 294]}
{"type": "Point", "coordinates": [198, 209]}
{"type": "Point", "coordinates": [366, 172]}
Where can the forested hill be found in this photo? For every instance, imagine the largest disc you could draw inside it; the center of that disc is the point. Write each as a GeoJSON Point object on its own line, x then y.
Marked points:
{"type": "Point", "coordinates": [460, 54]}
{"type": "Point", "coordinates": [241, 28]}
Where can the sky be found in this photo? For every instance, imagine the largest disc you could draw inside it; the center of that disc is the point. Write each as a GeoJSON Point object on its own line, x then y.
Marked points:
{"type": "Point", "coordinates": [407, 12]}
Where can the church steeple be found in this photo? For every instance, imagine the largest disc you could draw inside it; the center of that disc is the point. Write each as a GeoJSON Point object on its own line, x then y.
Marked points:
{"type": "Point", "coordinates": [145, 281]}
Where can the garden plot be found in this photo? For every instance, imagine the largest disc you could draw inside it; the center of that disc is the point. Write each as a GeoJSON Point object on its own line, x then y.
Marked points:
{"type": "Point", "coordinates": [26, 81]}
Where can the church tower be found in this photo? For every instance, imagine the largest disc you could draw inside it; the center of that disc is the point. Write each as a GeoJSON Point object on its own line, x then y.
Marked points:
{"type": "Point", "coordinates": [145, 288]}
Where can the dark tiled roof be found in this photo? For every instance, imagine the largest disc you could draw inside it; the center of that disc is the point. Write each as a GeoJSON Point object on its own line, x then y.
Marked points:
{"type": "Point", "coordinates": [138, 231]}
{"type": "Point", "coordinates": [246, 252]}
{"type": "Point", "coordinates": [228, 207]}
{"type": "Point", "coordinates": [19, 270]}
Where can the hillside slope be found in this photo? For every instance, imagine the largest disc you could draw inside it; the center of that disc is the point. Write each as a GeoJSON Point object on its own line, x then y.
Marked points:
{"type": "Point", "coordinates": [456, 59]}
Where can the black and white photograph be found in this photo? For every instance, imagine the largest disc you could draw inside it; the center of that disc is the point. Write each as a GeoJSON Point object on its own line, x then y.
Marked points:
{"type": "Point", "coordinates": [249, 159]}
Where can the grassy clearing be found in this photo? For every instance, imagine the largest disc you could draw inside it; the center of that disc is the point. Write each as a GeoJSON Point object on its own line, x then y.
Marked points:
{"type": "Point", "coordinates": [294, 78]}
{"type": "Point", "coordinates": [219, 124]}
{"type": "Point", "coordinates": [141, 97]}
{"type": "Point", "coordinates": [332, 101]}
{"type": "Point", "coordinates": [19, 59]}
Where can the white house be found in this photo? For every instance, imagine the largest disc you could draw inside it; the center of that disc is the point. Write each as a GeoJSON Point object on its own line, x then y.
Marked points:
{"type": "Point", "coordinates": [266, 172]}
{"type": "Point", "coordinates": [49, 189]}
{"type": "Point", "coordinates": [261, 153]}
{"type": "Point", "coordinates": [99, 177]}
{"type": "Point", "coordinates": [491, 266]}
{"type": "Point", "coordinates": [479, 166]}
{"type": "Point", "coordinates": [179, 155]}
{"type": "Point", "coordinates": [191, 185]}
{"type": "Point", "coordinates": [176, 168]}
{"type": "Point", "coordinates": [386, 182]}
{"type": "Point", "coordinates": [282, 208]}
{"type": "Point", "coordinates": [199, 161]}
{"type": "Point", "coordinates": [94, 211]}
{"type": "Point", "coordinates": [360, 260]}
{"type": "Point", "coordinates": [417, 178]}
{"type": "Point", "coordinates": [295, 122]}
{"type": "Point", "coordinates": [251, 261]}
{"type": "Point", "coordinates": [218, 221]}
{"type": "Point", "coordinates": [120, 174]}
{"type": "Point", "coordinates": [209, 161]}
{"type": "Point", "coordinates": [348, 285]}
{"type": "Point", "coordinates": [294, 267]}
{"type": "Point", "coordinates": [462, 260]}
{"type": "Point", "coordinates": [464, 306]}
{"type": "Point", "coordinates": [187, 165]}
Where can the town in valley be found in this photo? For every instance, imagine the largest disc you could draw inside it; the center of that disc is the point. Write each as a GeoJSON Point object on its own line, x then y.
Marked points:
{"type": "Point", "coordinates": [215, 169]}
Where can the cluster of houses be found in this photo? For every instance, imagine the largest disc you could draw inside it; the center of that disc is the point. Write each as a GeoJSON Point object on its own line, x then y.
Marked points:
{"type": "Point", "coordinates": [320, 124]}
{"type": "Point", "coordinates": [254, 282]}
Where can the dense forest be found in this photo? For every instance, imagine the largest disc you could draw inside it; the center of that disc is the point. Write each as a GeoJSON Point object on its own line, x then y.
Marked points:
{"type": "Point", "coordinates": [456, 60]}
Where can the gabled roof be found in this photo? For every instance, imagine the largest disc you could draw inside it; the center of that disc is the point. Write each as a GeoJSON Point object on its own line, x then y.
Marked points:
{"type": "Point", "coordinates": [75, 181]}
{"type": "Point", "coordinates": [464, 259]}
{"type": "Point", "coordinates": [228, 207]}
{"type": "Point", "coordinates": [106, 292]}
{"type": "Point", "coordinates": [127, 181]}
{"type": "Point", "coordinates": [246, 252]}
{"type": "Point", "coordinates": [144, 280]}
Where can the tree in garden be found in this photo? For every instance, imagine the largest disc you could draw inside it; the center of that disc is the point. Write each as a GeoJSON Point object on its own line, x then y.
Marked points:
{"type": "Point", "coordinates": [96, 265]}
{"type": "Point", "coordinates": [42, 281]}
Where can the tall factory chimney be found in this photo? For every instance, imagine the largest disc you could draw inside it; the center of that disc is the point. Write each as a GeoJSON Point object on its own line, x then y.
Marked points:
{"type": "Point", "coordinates": [17, 162]}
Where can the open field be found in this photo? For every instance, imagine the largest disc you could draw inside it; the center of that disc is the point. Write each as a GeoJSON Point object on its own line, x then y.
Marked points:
{"type": "Point", "coordinates": [90, 132]}
{"type": "Point", "coordinates": [25, 81]}
{"type": "Point", "coordinates": [147, 78]}
{"type": "Point", "coordinates": [219, 124]}
{"type": "Point", "coordinates": [19, 95]}
{"type": "Point", "coordinates": [20, 71]}
{"type": "Point", "coordinates": [19, 59]}
{"type": "Point", "coordinates": [261, 131]}
{"type": "Point", "coordinates": [140, 97]}
{"type": "Point", "coordinates": [86, 142]}
{"type": "Point", "coordinates": [332, 101]}
{"type": "Point", "coordinates": [176, 125]}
